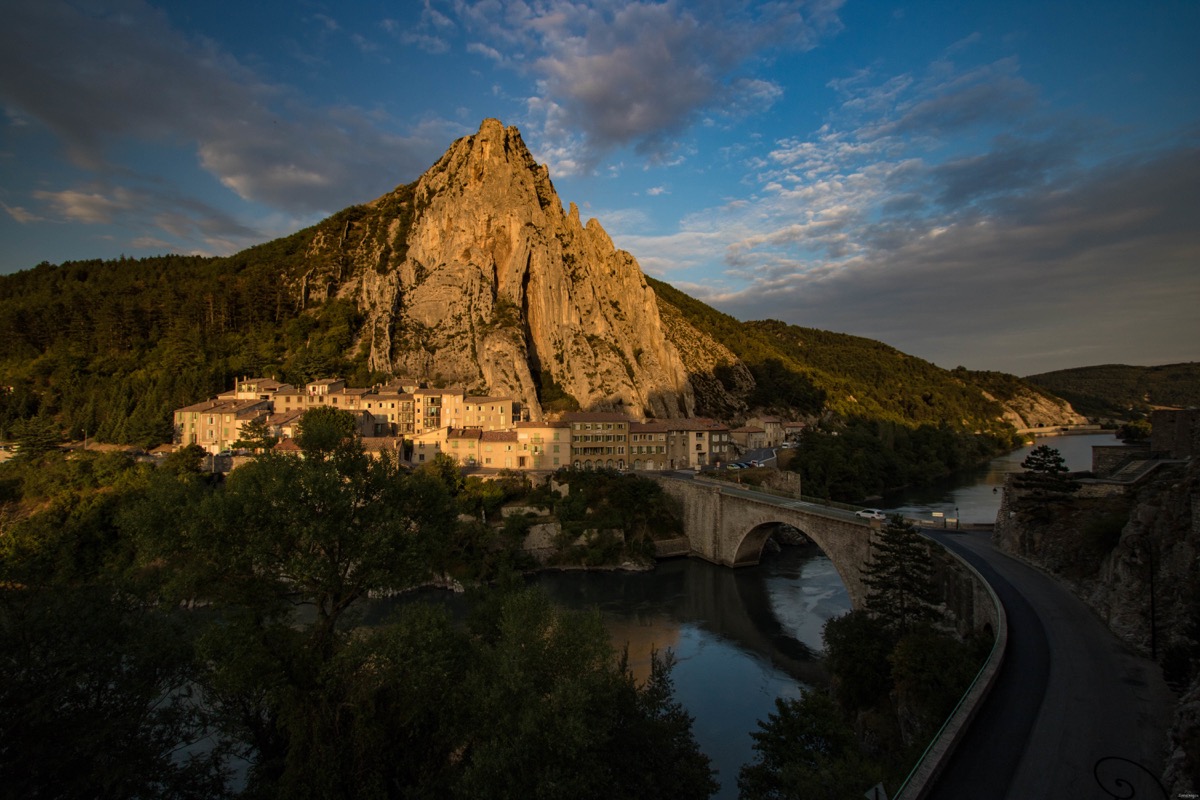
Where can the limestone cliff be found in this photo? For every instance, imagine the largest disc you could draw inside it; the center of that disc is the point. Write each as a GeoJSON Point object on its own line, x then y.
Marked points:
{"type": "Point", "coordinates": [1029, 408]}
{"type": "Point", "coordinates": [475, 276]}
{"type": "Point", "coordinates": [720, 381]}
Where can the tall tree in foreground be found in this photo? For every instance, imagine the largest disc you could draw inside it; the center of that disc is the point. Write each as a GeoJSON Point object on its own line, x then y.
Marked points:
{"type": "Point", "coordinates": [899, 578]}
{"type": "Point", "coordinates": [806, 751]}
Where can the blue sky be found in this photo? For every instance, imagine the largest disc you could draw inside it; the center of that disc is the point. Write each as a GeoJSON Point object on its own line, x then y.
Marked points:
{"type": "Point", "coordinates": [1010, 186]}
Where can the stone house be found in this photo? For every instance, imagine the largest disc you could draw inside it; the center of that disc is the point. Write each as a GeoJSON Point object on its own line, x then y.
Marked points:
{"type": "Point", "coordinates": [698, 442]}
{"type": "Point", "coordinates": [749, 437]}
{"type": "Point", "coordinates": [772, 428]}
{"type": "Point", "coordinates": [216, 424]}
{"type": "Point", "coordinates": [648, 445]}
{"type": "Point", "coordinates": [599, 439]}
{"type": "Point", "coordinates": [543, 445]}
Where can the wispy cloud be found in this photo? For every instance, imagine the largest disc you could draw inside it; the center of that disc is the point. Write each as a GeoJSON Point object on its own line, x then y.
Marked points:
{"type": "Point", "coordinates": [21, 215]}
{"type": "Point", "coordinates": [121, 73]}
{"type": "Point", "coordinates": [883, 224]}
{"type": "Point", "coordinates": [615, 74]}
{"type": "Point", "coordinates": [161, 215]}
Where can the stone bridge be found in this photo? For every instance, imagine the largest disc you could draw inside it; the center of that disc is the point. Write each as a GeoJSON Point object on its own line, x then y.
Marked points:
{"type": "Point", "coordinates": [729, 526]}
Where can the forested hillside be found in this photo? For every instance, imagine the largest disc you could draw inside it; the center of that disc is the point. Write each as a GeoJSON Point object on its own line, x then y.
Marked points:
{"type": "Point", "coordinates": [1120, 391]}
{"type": "Point", "coordinates": [810, 371]}
{"type": "Point", "coordinates": [108, 348]}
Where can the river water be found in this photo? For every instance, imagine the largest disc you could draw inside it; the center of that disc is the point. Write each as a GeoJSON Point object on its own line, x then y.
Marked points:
{"type": "Point", "coordinates": [741, 638]}
{"type": "Point", "coordinates": [975, 496]}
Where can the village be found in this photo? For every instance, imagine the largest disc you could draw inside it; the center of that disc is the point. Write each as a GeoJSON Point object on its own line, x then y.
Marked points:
{"type": "Point", "coordinates": [417, 423]}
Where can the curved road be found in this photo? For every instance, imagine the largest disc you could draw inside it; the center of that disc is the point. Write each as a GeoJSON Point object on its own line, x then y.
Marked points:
{"type": "Point", "coordinates": [1069, 696]}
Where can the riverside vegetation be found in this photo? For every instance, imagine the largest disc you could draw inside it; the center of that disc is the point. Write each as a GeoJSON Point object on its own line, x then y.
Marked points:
{"type": "Point", "coordinates": [898, 670]}
{"type": "Point", "coordinates": [160, 626]}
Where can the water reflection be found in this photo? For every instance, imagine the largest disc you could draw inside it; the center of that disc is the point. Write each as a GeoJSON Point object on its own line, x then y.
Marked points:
{"type": "Point", "coordinates": [740, 638]}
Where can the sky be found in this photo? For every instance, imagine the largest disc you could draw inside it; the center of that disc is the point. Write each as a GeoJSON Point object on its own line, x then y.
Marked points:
{"type": "Point", "coordinates": [1003, 186]}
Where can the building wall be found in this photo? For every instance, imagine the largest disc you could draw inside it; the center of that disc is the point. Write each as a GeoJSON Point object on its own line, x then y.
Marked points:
{"type": "Point", "coordinates": [1176, 433]}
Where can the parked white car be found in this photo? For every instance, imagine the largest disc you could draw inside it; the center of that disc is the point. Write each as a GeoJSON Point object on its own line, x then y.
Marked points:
{"type": "Point", "coordinates": [870, 513]}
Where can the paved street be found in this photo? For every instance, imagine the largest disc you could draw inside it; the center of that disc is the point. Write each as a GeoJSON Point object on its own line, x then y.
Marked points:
{"type": "Point", "coordinates": [1070, 694]}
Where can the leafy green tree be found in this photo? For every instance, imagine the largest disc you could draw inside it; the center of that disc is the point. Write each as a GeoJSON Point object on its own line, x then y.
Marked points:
{"type": "Point", "coordinates": [806, 751]}
{"type": "Point", "coordinates": [324, 429]}
{"type": "Point", "coordinates": [97, 700]}
{"type": "Point", "coordinates": [1138, 430]}
{"type": "Point", "coordinates": [553, 714]}
{"type": "Point", "coordinates": [1045, 460]}
{"type": "Point", "coordinates": [446, 471]}
{"type": "Point", "coordinates": [900, 588]}
{"type": "Point", "coordinates": [256, 436]}
{"type": "Point", "coordinates": [857, 650]}
{"type": "Point", "coordinates": [186, 459]}
{"type": "Point", "coordinates": [324, 532]}
{"type": "Point", "coordinates": [931, 670]}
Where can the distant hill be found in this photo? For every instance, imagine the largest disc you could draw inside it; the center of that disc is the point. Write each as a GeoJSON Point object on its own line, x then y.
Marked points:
{"type": "Point", "coordinates": [1120, 391]}
{"type": "Point", "coordinates": [811, 371]}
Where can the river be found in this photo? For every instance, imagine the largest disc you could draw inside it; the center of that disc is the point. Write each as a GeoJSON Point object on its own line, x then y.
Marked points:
{"type": "Point", "coordinates": [974, 496]}
{"type": "Point", "coordinates": [741, 638]}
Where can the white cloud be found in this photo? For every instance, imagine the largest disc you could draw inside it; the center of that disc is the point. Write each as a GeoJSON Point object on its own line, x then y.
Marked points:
{"type": "Point", "coordinates": [20, 214]}
{"type": "Point", "coordinates": [881, 224]}
{"type": "Point", "coordinates": [124, 74]}
{"type": "Point", "coordinates": [639, 74]}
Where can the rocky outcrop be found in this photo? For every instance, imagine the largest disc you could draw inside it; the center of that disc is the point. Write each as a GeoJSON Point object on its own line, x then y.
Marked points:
{"type": "Point", "coordinates": [719, 379]}
{"type": "Point", "coordinates": [1028, 408]}
{"type": "Point", "coordinates": [476, 276]}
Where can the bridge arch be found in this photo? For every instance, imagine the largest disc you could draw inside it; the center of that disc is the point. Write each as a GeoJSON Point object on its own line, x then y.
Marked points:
{"type": "Point", "coordinates": [749, 550]}
{"type": "Point", "coordinates": [731, 527]}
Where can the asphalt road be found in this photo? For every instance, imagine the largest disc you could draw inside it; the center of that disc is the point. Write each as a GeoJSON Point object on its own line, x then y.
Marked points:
{"type": "Point", "coordinates": [1074, 712]}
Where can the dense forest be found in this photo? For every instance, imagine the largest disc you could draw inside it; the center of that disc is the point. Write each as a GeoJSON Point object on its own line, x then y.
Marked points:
{"type": "Point", "coordinates": [108, 348]}
{"type": "Point", "coordinates": [1113, 391]}
{"type": "Point", "coordinates": [165, 632]}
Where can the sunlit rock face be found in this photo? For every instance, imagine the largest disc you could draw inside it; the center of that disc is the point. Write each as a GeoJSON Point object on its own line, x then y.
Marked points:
{"type": "Point", "coordinates": [476, 276]}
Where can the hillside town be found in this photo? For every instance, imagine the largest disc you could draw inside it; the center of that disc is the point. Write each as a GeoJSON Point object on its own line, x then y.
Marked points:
{"type": "Point", "coordinates": [418, 423]}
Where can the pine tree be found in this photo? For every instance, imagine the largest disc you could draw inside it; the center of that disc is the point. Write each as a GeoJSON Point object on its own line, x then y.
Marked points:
{"type": "Point", "coordinates": [1045, 460]}
{"type": "Point", "coordinates": [899, 579]}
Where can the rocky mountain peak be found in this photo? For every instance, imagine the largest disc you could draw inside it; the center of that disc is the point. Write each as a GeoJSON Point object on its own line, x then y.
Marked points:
{"type": "Point", "coordinates": [475, 276]}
